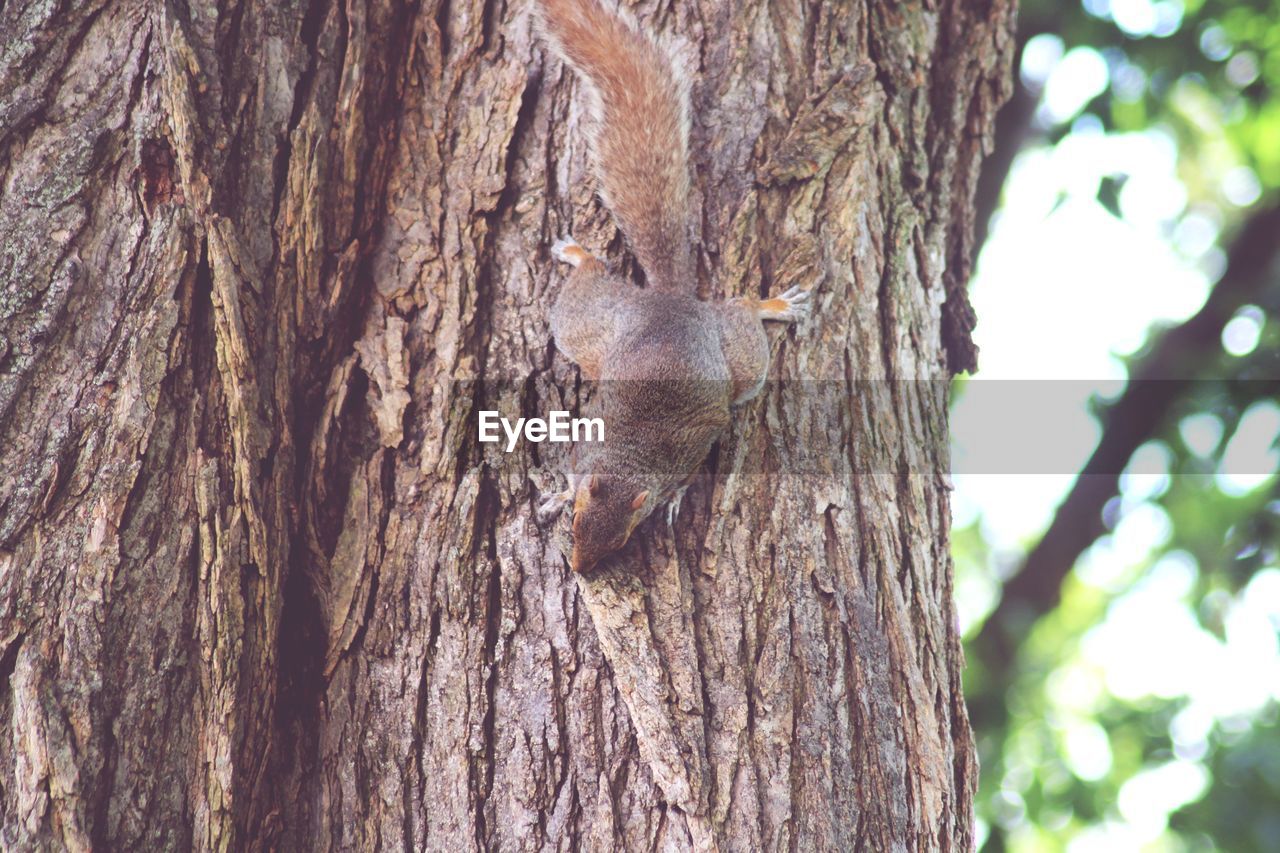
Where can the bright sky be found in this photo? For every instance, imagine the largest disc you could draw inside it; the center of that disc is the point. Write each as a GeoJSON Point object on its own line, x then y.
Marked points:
{"type": "Point", "coordinates": [1062, 288]}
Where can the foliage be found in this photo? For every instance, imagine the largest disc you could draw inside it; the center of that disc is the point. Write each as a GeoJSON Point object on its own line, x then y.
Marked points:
{"type": "Point", "coordinates": [1083, 755]}
{"type": "Point", "coordinates": [1245, 766]}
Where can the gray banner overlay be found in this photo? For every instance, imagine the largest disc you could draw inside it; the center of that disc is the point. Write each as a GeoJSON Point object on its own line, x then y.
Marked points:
{"type": "Point", "coordinates": [996, 426]}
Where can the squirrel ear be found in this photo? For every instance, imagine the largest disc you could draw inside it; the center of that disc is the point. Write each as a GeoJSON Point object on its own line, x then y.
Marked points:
{"type": "Point", "coordinates": [639, 500]}
{"type": "Point", "coordinates": [593, 484]}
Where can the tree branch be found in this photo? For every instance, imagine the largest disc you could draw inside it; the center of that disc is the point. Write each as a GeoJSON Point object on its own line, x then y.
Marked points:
{"type": "Point", "coordinates": [1161, 379]}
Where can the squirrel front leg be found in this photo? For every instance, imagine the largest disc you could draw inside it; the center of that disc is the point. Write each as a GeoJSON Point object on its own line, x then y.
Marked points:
{"type": "Point", "coordinates": [552, 504]}
{"type": "Point", "coordinates": [743, 340]}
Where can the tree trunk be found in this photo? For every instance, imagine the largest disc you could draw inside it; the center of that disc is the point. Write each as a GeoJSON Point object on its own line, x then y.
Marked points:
{"type": "Point", "coordinates": [263, 263]}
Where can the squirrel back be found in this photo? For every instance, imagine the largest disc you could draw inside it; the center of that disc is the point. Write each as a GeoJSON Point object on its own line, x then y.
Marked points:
{"type": "Point", "coordinates": [639, 131]}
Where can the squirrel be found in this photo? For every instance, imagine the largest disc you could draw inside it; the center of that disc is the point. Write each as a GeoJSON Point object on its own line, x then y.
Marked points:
{"type": "Point", "coordinates": [670, 365]}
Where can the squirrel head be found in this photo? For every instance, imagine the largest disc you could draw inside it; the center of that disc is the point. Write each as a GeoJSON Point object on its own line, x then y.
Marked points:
{"type": "Point", "coordinates": [605, 511]}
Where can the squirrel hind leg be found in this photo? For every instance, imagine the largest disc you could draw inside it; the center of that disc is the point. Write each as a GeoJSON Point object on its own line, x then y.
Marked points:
{"type": "Point", "coordinates": [583, 314]}
{"type": "Point", "coordinates": [567, 250]}
{"type": "Point", "coordinates": [791, 306]}
{"type": "Point", "coordinates": [745, 347]}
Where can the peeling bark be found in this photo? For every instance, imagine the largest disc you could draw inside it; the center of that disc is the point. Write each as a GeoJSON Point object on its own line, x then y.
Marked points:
{"type": "Point", "coordinates": [260, 264]}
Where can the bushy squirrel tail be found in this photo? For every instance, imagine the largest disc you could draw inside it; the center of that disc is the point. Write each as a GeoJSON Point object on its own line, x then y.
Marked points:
{"type": "Point", "coordinates": [639, 130]}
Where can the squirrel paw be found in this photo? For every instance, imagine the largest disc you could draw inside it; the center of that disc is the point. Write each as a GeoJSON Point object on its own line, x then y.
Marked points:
{"type": "Point", "coordinates": [566, 249]}
{"type": "Point", "coordinates": [553, 504]}
{"type": "Point", "coordinates": [792, 306]}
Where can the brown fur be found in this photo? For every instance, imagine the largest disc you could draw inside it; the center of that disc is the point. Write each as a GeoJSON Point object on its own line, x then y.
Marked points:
{"type": "Point", "coordinates": [670, 366]}
{"type": "Point", "coordinates": [639, 133]}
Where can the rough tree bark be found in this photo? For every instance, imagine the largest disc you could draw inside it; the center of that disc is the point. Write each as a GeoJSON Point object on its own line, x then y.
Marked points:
{"type": "Point", "coordinates": [261, 263]}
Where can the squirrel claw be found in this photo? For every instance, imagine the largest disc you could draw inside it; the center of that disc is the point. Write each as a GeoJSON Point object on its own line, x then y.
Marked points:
{"type": "Point", "coordinates": [673, 506]}
{"type": "Point", "coordinates": [797, 299]}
